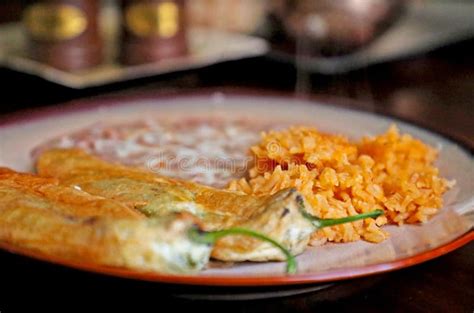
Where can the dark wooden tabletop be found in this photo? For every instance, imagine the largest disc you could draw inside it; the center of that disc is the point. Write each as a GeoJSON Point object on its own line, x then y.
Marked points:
{"type": "Point", "coordinates": [435, 89]}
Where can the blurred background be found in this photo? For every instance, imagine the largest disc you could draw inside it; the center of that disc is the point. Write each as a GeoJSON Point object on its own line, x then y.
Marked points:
{"type": "Point", "coordinates": [409, 58]}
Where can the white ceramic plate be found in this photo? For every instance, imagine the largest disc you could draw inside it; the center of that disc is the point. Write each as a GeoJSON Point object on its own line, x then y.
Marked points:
{"type": "Point", "coordinates": [408, 244]}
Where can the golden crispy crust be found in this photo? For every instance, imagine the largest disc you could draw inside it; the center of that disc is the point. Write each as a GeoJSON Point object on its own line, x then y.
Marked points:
{"type": "Point", "coordinates": [75, 167]}
{"type": "Point", "coordinates": [51, 233]}
{"type": "Point", "coordinates": [41, 215]}
{"type": "Point", "coordinates": [276, 216]}
{"type": "Point", "coordinates": [280, 219]}
{"type": "Point", "coordinates": [116, 242]}
{"type": "Point", "coordinates": [67, 200]}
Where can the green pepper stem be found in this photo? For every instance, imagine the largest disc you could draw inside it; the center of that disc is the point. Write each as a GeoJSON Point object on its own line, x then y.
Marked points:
{"type": "Point", "coordinates": [211, 237]}
{"type": "Point", "coordinates": [320, 223]}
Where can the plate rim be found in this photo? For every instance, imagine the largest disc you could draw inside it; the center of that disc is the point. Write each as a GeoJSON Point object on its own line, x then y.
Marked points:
{"type": "Point", "coordinates": [106, 101]}
{"type": "Point", "coordinates": [75, 106]}
{"type": "Point", "coordinates": [242, 281]}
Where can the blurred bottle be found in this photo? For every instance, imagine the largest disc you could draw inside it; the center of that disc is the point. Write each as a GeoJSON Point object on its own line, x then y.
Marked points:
{"type": "Point", "coordinates": [64, 33]}
{"type": "Point", "coordinates": [152, 30]}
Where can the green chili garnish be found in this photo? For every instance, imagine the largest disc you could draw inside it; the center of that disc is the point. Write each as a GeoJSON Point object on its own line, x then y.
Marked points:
{"type": "Point", "coordinates": [211, 237]}
{"type": "Point", "coordinates": [320, 222]}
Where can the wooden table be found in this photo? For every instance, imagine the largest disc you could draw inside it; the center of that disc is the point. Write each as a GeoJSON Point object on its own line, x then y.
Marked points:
{"type": "Point", "coordinates": [436, 90]}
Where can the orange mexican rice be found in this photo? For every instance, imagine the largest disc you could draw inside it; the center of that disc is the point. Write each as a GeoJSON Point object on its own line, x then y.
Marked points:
{"type": "Point", "coordinates": [339, 177]}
